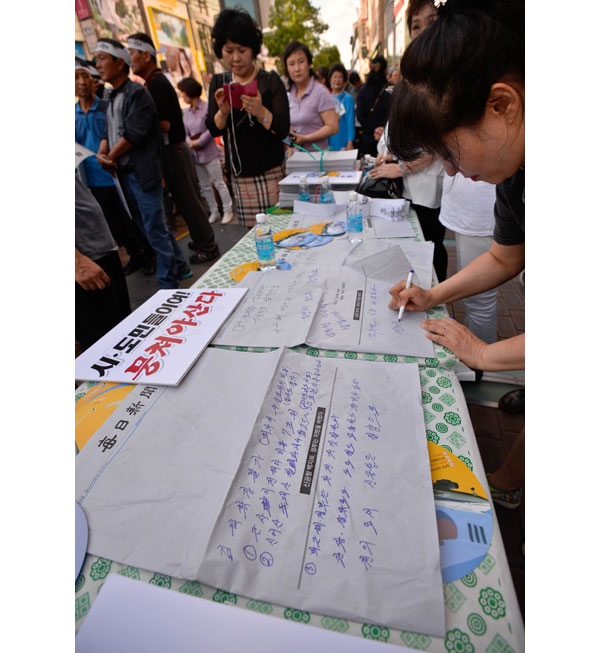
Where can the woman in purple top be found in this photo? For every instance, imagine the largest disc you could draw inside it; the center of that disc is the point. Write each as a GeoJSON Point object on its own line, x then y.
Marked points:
{"type": "Point", "coordinates": [204, 151]}
{"type": "Point", "coordinates": [313, 118]}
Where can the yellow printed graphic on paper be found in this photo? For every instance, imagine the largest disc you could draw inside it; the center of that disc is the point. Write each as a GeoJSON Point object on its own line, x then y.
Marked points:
{"type": "Point", "coordinates": [239, 272]}
{"type": "Point", "coordinates": [313, 229]}
{"type": "Point", "coordinates": [451, 476]}
{"type": "Point", "coordinates": [93, 409]}
{"type": "Point", "coordinates": [280, 235]}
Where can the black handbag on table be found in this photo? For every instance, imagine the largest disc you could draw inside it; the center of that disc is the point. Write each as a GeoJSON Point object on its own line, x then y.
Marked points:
{"type": "Point", "coordinates": [381, 188]}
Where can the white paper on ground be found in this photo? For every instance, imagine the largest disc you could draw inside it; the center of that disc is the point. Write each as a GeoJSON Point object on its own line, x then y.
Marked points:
{"type": "Point", "coordinates": [317, 494]}
{"type": "Point", "coordinates": [144, 617]}
{"type": "Point", "coordinates": [160, 340]}
{"type": "Point", "coordinates": [277, 311]}
{"type": "Point", "coordinates": [152, 498]}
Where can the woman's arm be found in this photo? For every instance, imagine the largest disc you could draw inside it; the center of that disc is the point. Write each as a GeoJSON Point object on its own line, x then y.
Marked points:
{"type": "Point", "coordinates": [216, 120]}
{"type": "Point", "coordinates": [280, 111]}
{"type": "Point", "coordinates": [501, 263]}
{"type": "Point", "coordinates": [506, 354]}
{"type": "Point", "coordinates": [331, 125]}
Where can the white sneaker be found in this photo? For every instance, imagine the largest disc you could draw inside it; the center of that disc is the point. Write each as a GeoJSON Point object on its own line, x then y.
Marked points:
{"type": "Point", "coordinates": [215, 216]}
{"type": "Point", "coordinates": [227, 217]}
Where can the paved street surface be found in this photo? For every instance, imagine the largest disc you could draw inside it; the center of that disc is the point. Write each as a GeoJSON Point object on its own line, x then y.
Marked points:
{"type": "Point", "coordinates": [142, 287]}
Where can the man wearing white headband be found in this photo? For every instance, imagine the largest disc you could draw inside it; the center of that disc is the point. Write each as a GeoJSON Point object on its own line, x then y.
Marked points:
{"type": "Point", "coordinates": [90, 118]}
{"type": "Point", "coordinates": [177, 163]}
{"type": "Point", "coordinates": [114, 48]}
{"type": "Point", "coordinates": [130, 149]}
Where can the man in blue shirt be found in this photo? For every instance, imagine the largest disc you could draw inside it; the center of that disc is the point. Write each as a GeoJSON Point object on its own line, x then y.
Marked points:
{"type": "Point", "coordinates": [90, 116]}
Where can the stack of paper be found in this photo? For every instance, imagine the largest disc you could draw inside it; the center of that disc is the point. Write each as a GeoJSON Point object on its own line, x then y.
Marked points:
{"type": "Point", "coordinates": [343, 160]}
{"type": "Point", "coordinates": [340, 181]}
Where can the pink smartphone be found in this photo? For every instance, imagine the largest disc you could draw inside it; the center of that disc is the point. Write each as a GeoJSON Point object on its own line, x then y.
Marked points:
{"type": "Point", "coordinates": [234, 92]}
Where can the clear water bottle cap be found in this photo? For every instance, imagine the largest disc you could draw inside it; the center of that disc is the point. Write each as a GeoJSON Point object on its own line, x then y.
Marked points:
{"type": "Point", "coordinates": [353, 196]}
{"type": "Point", "coordinates": [261, 218]}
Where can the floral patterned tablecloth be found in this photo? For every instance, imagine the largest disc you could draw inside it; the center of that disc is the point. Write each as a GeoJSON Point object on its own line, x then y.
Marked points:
{"type": "Point", "coordinates": [482, 611]}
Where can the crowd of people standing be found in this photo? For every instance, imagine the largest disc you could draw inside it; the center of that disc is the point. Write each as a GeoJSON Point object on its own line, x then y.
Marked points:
{"type": "Point", "coordinates": [449, 123]}
{"type": "Point", "coordinates": [150, 155]}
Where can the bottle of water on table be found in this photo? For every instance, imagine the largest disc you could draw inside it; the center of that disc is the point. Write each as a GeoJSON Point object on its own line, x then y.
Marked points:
{"type": "Point", "coordinates": [354, 218]}
{"type": "Point", "coordinates": [265, 247]}
{"type": "Point", "coordinates": [303, 192]}
{"type": "Point", "coordinates": [326, 192]}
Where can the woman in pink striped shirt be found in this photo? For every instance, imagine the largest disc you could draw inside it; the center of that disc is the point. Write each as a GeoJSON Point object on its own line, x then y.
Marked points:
{"type": "Point", "coordinates": [204, 151]}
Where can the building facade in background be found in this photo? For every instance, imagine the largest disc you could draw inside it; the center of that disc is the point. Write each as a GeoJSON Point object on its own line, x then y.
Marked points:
{"type": "Point", "coordinates": [380, 29]}
{"type": "Point", "coordinates": [181, 27]}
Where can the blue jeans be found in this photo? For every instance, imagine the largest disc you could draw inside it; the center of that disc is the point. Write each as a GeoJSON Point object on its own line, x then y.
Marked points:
{"type": "Point", "coordinates": [169, 259]}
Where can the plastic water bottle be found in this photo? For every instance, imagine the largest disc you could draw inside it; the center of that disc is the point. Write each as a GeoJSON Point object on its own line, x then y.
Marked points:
{"type": "Point", "coordinates": [354, 218]}
{"type": "Point", "coordinates": [265, 247]}
{"type": "Point", "coordinates": [325, 192]}
{"type": "Point", "coordinates": [303, 192]}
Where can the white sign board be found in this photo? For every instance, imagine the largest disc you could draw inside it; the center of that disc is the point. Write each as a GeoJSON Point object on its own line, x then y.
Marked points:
{"type": "Point", "coordinates": [160, 340]}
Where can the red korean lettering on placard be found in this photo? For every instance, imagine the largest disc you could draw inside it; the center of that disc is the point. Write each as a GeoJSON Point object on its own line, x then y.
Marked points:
{"type": "Point", "coordinates": [144, 364]}
{"type": "Point", "coordinates": [161, 344]}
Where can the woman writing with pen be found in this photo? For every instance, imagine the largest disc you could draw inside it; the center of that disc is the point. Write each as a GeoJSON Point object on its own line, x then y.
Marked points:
{"type": "Point", "coordinates": [477, 128]}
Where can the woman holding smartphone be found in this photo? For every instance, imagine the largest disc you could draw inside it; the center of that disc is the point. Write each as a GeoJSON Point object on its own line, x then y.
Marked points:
{"type": "Point", "coordinates": [253, 131]}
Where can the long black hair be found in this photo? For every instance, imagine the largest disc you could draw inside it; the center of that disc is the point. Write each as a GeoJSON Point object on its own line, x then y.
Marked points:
{"type": "Point", "coordinates": [448, 71]}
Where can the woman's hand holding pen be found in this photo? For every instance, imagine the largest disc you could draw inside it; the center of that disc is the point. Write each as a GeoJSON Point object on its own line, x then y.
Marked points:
{"type": "Point", "coordinates": [414, 298]}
